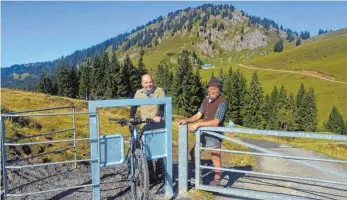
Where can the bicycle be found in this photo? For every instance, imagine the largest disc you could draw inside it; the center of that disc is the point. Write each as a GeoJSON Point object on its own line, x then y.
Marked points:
{"type": "Point", "coordinates": [138, 168]}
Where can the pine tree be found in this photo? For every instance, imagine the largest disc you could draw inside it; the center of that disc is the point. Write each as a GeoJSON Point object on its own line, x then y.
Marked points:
{"type": "Point", "coordinates": [123, 82]}
{"type": "Point", "coordinates": [134, 76]}
{"type": "Point", "coordinates": [298, 41]}
{"type": "Point", "coordinates": [98, 77]}
{"type": "Point", "coordinates": [310, 112]}
{"type": "Point", "coordinates": [84, 73]}
{"type": "Point", "coordinates": [278, 46]}
{"type": "Point", "coordinates": [184, 87]}
{"type": "Point", "coordinates": [282, 98]}
{"type": "Point", "coordinates": [142, 67]}
{"type": "Point", "coordinates": [272, 113]}
{"type": "Point", "coordinates": [46, 84]}
{"type": "Point", "coordinates": [335, 122]}
{"type": "Point", "coordinates": [221, 75]}
{"type": "Point", "coordinates": [285, 119]}
{"type": "Point", "coordinates": [111, 78]}
{"type": "Point", "coordinates": [228, 93]}
{"type": "Point", "coordinates": [239, 80]}
{"type": "Point", "coordinates": [299, 110]}
{"type": "Point", "coordinates": [345, 130]}
{"type": "Point", "coordinates": [290, 37]}
{"type": "Point", "coordinates": [199, 92]}
{"type": "Point", "coordinates": [267, 112]}
{"type": "Point", "coordinates": [73, 84]}
{"type": "Point", "coordinates": [62, 79]}
{"type": "Point", "coordinates": [252, 112]}
{"type": "Point", "coordinates": [164, 77]}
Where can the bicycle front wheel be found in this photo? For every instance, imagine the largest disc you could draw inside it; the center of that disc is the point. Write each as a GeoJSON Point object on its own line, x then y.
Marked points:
{"type": "Point", "coordinates": [140, 183]}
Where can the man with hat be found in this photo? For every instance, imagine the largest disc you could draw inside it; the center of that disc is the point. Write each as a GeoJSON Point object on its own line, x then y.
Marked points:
{"type": "Point", "coordinates": [212, 109]}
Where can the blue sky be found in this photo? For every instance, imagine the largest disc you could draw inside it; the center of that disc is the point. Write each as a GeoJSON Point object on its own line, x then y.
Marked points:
{"type": "Point", "coordinates": [43, 31]}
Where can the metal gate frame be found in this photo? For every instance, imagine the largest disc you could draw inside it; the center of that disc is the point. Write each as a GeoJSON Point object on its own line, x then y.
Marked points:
{"type": "Point", "coordinates": [183, 159]}
{"type": "Point", "coordinates": [4, 143]}
{"type": "Point", "coordinates": [94, 130]}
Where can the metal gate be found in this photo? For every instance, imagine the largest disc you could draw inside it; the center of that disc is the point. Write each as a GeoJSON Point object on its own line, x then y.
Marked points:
{"type": "Point", "coordinates": [105, 150]}
{"type": "Point", "coordinates": [183, 165]}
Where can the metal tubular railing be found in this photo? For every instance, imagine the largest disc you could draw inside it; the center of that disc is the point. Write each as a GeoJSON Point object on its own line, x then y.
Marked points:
{"type": "Point", "coordinates": [74, 140]}
{"type": "Point", "coordinates": [39, 110]}
{"type": "Point", "coordinates": [274, 175]}
{"type": "Point", "coordinates": [39, 155]}
{"type": "Point", "coordinates": [46, 164]}
{"type": "Point", "coordinates": [53, 190]}
{"type": "Point", "coordinates": [262, 132]}
{"type": "Point", "coordinates": [47, 142]}
{"type": "Point", "coordinates": [242, 192]}
{"type": "Point", "coordinates": [42, 134]}
{"type": "Point", "coordinates": [278, 156]}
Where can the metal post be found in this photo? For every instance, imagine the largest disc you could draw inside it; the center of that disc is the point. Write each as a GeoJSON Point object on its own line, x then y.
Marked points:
{"type": "Point", "coordinates": [168, 164]}
{"type": "Point", "coordinates": [95, 167]}
{"type": "Point", "coordinates": [74, 135]}
{"type": "Point", "coordinates": [197, 158]}
{"type": "Point", "coordinates": [183, 158]}
{"type": "Point", "coordinates": [3, 156]}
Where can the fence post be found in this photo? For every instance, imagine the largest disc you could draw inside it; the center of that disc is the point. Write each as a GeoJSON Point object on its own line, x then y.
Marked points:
{"type": "Point", "coordinates": [3, 157]}
{"type": "Point", "coordinates": [94, 150]}
{"type": "Point", "coordinates": [168, 160]}
{"type": "Point", "coordinates": [74, 134]}
{"type": "Point", "coordinates": [197, 158]}
{"type": "Point", "coordinates": [182, 159]}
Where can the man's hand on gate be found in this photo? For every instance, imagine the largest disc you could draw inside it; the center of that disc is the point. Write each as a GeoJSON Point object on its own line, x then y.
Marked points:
{"type": "Point", "coordinates": [183, 121]}
{"type": "Point", "coordinates": [157, 119]}
{"type": "Point", "coordinates": [194, 127]}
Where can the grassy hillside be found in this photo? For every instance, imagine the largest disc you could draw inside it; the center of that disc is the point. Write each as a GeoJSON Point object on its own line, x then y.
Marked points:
{"type": "Point", "coordinates": [325, 54]}
{"type": "Point", "coordinates": [328, 94]}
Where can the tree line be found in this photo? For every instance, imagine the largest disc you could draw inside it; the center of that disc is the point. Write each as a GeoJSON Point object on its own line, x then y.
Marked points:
{"type": "Point", "coordinates": [108, 78]}
{"type": "Point", "coordinates": [101, 78]}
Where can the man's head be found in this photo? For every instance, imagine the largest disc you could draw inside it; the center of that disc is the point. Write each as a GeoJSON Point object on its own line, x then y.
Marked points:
{"type": "Point", "coordinates": [147, 82]}
{"type": "Point", "coordinates": [214, 87]}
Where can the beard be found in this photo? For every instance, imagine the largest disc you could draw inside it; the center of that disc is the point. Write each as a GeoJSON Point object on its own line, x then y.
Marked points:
{"type": "Point", "coordinates": [213, 95]}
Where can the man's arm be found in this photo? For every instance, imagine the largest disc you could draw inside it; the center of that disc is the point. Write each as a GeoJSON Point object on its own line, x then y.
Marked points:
{"type": "Point", "coordinates": [221, 110]}
{"type": "Point", "coordinates": [193, 118]}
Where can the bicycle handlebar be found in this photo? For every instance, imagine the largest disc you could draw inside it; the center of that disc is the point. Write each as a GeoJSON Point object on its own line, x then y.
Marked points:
{"type": "Point", "coordinates": [135, 122]}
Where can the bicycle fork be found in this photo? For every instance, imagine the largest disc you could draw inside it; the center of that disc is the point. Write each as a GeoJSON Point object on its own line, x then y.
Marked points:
{"type": "Point", "coordinates": [133, 144]}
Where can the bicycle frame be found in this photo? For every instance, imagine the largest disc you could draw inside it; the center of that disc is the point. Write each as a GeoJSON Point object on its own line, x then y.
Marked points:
{"type": "Point", "coordinates": [133, 145]}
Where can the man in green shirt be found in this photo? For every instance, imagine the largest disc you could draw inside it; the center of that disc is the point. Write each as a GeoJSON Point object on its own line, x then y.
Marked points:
{"type": "Point", "coordinates": [155, 112]}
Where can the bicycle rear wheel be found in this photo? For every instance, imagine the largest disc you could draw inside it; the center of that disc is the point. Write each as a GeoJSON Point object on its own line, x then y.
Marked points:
{"type": "Point", "coordinates": [140, 183]}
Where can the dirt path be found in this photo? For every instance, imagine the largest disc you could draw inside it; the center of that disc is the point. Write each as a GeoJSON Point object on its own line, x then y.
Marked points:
{"type": "Point", "coordinates": [308, 73]}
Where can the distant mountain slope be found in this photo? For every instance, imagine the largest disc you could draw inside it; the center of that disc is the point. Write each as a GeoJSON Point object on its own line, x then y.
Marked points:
{"type": "Point", "coordinates": [215, 29]}
{"type": "Point", "coordinates": [325, 54]}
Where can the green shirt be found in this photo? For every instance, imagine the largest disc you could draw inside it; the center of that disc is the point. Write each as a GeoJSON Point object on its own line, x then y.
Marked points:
{"type": "Point", "coordinates": [149, 111]}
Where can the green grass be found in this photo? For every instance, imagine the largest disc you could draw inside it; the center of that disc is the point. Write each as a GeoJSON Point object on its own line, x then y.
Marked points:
{"type": "Point", "coordinates": [324, 54]}
{"type": "Point", "coordinates": [328, 94]}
